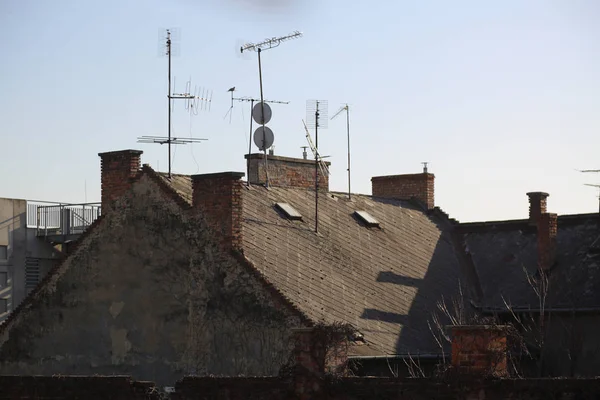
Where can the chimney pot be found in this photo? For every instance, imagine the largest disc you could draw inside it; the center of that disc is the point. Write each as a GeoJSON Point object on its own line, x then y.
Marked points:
{"type": "Point", "coordinates": [537, 206]}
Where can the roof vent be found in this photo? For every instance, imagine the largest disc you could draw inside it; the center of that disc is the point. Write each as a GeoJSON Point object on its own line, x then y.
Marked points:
{"type": "Point", "coordinates": [367, 218]}
{"type": "Point", "coordinates": [289, 211]}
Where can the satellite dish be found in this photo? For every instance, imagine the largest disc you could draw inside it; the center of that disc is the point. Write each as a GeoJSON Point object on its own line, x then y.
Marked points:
{"type": "Point", "coordinates": [263, 138]}
{"type": "Point", "coordinates": [257, 113]}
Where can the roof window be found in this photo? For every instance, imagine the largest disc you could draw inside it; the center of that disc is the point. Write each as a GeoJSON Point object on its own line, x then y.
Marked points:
{"type": "Point", "coordinates": [366, 218]}
{"type": "Point", "coordinates": [289, 211]}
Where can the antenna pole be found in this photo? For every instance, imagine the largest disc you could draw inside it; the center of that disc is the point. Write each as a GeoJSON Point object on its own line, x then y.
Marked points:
{"type": "Point", "coordinates": [262, 107]}
{"type": "Point", "coordinates": [348, 128]}
{"type": "Point", "coordinates": [317, 168]}
{"type": "Point", "coordinates": [169, 96]}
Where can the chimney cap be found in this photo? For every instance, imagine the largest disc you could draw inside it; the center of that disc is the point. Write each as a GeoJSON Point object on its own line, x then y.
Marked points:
{"type": "Point", "coordinates": [117, 152]}
{"type": "Point", "coordinates": [537, 194]}
{"type": "Point", "coordinates": [231, 174]}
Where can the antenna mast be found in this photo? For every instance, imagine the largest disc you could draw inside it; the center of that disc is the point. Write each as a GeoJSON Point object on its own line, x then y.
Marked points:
{"type": "Point", "coordinates": [589, 184]}
{"type": "Point", "coordinates": [347, 109]}
{"type": "Point", "coordinates": [315, 109]}
{"type": "Point", "coordinates": [200, 99]}
{"type": "Point", "coordinates": [259, 47]}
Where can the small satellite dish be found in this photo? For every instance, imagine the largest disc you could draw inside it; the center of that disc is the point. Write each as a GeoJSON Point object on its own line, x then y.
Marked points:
{"type": "Point", "coordinates": [257, 113]}
{"type": "Point", "coordinates": [263, 138]}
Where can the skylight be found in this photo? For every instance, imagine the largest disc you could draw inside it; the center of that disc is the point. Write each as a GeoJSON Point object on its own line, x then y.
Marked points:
{"type": "Point", "coordinates": [366, 218]}
{"type": "Point", "coordinates": [289, 211]}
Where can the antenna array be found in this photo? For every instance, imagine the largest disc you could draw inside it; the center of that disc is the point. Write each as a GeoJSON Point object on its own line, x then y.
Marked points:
{"type": "Point", "coordinates": [261, 115]}
{"type": "Point", "coordinates": [199, 100]}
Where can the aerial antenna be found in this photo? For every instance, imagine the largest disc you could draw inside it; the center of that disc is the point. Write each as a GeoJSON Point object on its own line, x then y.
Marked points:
{"type": "Point", "coordinates": [198, 99]}
{"type": "Point", "coordinates": [252, 101]}
{"type": "Point", "coordinates": [346, 108]}
{"type": "Point", "coordinates": [261, 115]}
{"type": "Point", "coordinates": [593, 185]}
{"type": "Point", "coordinates": [316, 111]}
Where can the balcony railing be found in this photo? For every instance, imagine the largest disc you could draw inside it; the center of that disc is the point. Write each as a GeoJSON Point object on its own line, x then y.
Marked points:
{"type": "Point", "coordinates": [61, 219]}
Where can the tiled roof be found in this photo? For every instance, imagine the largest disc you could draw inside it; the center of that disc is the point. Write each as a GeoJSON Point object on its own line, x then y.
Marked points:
{"type": "Point", "coordinates": [505, 252]}
{"type": "Point", "coordinates": [384, 281]}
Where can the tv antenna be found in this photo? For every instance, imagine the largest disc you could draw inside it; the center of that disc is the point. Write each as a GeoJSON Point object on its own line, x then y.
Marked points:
{"type": "Point", "coordinates": [590, 184]}
{"type": "Point", "coordinates": [316, 111]}
{"type": "Point", "coordinates": [260, 116]}
{"type": "Point", "coordinates": [200, 99]}
{"type": "Point", "coordinates": [346, 108]}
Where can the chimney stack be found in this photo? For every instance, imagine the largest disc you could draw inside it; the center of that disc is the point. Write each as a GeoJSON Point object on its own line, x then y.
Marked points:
{"type": "Point", "coordinates": [118, 168]}
{"type": "Point", "coordinates": [546, 240]}
{"type": "Point", "coordinates": [219, 198]}
{"type": "Point", "coordinates": [285, 172]}
{"type": "Point", "coordinates": [405, 187]}
{"type": "Point", "coordinates": [537, 206]}
{"type": "Point", "coordinates": [480, 349]}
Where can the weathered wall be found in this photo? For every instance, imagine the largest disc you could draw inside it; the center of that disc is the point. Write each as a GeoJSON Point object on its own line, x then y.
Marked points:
{"type": "Point", "coordinates": [143, 296]}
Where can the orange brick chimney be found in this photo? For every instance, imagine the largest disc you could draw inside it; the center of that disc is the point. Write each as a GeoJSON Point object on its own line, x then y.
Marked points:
{"type": "Point", "coordinates": [219, 198]}
{"type": "Point", "coordinates": [285, 172]}
{"type": "Point", "coordinates": [118, 168]}
{"type": "Point", "coordinates": [480, 349]}
{"type": "Point", "coordinates": [404, 187]}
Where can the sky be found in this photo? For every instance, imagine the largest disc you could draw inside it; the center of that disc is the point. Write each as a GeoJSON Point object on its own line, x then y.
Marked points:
{"type": "Point", "coordinates": [501, 98]}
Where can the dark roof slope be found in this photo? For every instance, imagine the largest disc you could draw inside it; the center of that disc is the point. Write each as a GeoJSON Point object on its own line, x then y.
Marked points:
{"type": "Point", "coordinates": [505, 254]}
{"type": "Point", "coordinates": [385, 281]}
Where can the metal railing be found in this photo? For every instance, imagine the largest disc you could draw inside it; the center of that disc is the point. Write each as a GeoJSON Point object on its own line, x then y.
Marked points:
{"type": "Point", "coordinates": [61, 219]}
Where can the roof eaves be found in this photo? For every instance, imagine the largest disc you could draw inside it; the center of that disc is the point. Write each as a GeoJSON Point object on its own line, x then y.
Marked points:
{"type": "Point", "coordinates": [35, 293]}
{"type": "Point", "coordinates": [241, 258]}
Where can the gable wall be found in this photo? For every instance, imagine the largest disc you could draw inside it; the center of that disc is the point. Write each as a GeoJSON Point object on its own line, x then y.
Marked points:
{"type": "Point", "coordinates": [144, 295]}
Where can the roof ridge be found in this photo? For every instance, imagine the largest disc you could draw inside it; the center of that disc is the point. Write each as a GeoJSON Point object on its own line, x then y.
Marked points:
{"type": "Point", "coordinates": [167, 189]}
{"type": "Point", "coordinates": [32, 296]}
{"type": "Point", "coordinates": [242, 259]}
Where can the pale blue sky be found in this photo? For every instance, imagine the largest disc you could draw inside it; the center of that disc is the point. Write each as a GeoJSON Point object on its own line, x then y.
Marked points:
{"type": "Point", "coordinates": [500, 97]}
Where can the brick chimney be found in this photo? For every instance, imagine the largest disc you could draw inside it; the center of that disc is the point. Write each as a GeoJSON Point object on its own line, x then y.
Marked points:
{"type": "Point", "coordinates": [546, 240]}
{"type": "Point", "coordinates": [285, 172]}
{"type": "Point", "coordinates": [537, 206]}
{"type": "Point", "coordinates": [405, 187]}
{"type": "Point", "coordinates": [480, 349]}
{"type": "Point", "coordinates": [219, 198]}
{"type": "Point", "coordinates": [117, 170]}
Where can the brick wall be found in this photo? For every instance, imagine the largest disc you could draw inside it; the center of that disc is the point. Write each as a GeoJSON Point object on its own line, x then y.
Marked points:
{"type": "Point", "coordinates": [76, 387]}
{"type": "Point", "coordinates": [405, 187]}
{"type": "Point", "coordinates": [117, 170]}
{"type": "Point", "coordinates": [285, 172]}
{"type": "Point", "coordinates": [546, 240]}
{"type": "Point", "coordinates": [219, 199]}
{"type": "Point", "coordinates": [479, 349]}
{"type": "Point", "coordinates": [537, 206]}
{"type": "Point", "coordinates": [281, 388]}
